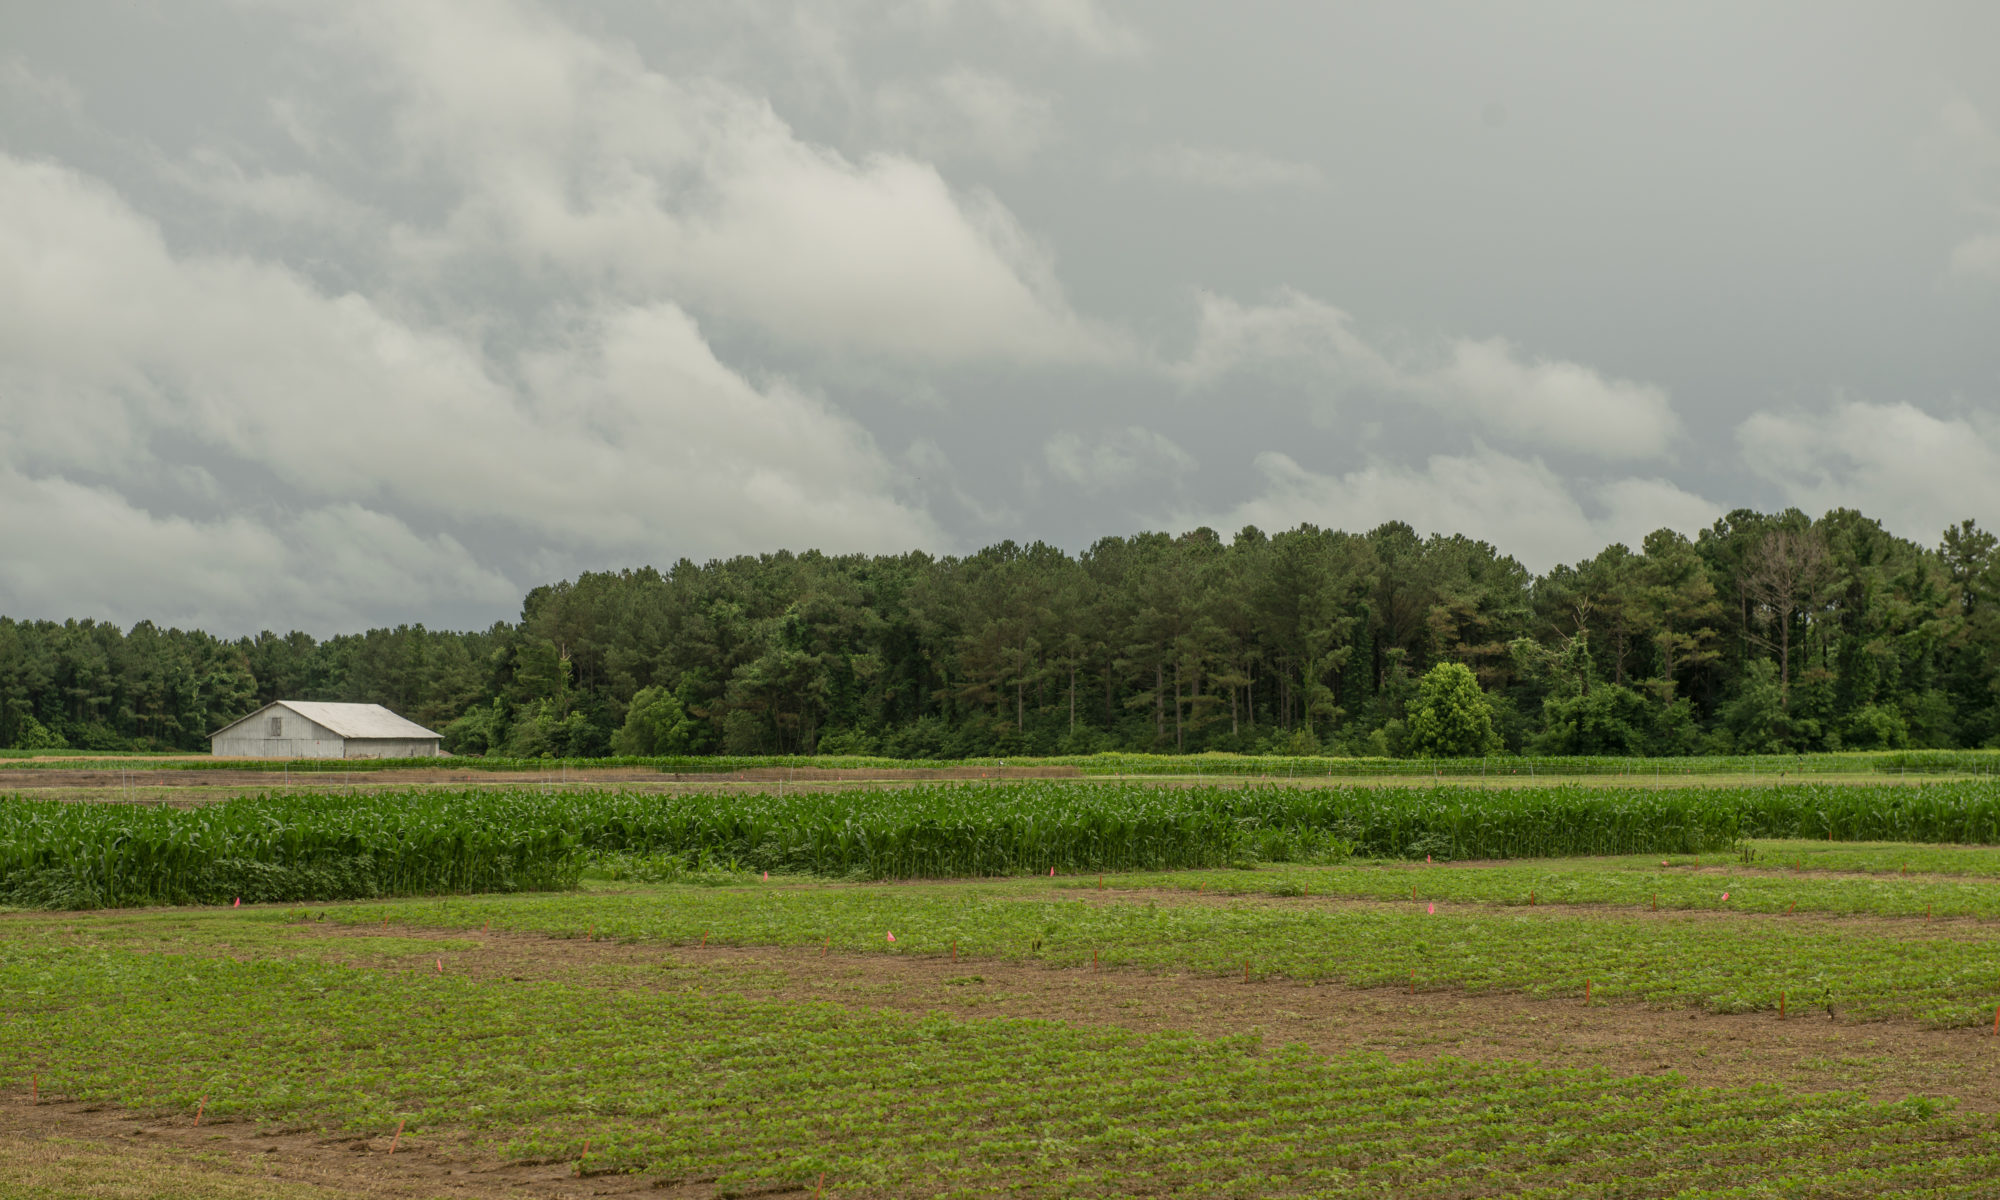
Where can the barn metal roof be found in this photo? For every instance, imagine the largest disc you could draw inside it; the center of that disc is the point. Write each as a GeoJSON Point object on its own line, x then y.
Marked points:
{"type": "Point", "coordinates": [347, 720]}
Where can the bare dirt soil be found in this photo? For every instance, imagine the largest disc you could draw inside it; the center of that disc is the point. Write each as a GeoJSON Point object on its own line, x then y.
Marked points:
{"type": "Point", "coordinates": [59, 1150]}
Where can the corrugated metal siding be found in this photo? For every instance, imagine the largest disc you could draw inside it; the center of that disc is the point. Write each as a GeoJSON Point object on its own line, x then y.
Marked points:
{"type": "Point", "coordinates": [298, 738]}
{"type": "Point", "coordinates": [240, 746]}
{"type": "Point", "coordinates": [392, 747]}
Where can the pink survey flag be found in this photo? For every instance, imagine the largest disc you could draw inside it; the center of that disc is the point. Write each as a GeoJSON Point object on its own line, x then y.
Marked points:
{"type": "Point", "coordinates": [767, 877]}
{"type": "Point", "coordinates": [1427, 860]}
{"type": "Point", "coordinates": [1433, 909]}
{"type": "Point", "coordinates": [892, 937]}
{"type": "Point", "coordinates": [1725, 895]}
{"type": "Point", "coordinates": [238, 904]}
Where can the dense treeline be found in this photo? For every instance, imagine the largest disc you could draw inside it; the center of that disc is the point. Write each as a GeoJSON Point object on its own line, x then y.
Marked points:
{"type": "Point", "coordinates": [1764, 633]}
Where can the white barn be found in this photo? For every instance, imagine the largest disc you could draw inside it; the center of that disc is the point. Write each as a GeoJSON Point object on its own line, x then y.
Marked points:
{"type": "Point", "coordinates": [309, 729]}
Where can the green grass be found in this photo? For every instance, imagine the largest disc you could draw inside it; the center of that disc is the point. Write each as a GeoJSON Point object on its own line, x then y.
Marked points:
{"type": "Point", "coordinates": [680, 1083]}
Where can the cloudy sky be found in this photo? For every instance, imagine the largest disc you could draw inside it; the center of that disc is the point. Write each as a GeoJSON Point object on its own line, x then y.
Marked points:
{"type": "Point", "coordinates": [332, 315]}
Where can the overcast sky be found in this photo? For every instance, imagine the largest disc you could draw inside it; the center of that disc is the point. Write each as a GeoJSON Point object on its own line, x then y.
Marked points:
{"type": "Point", "coordinates": [334, 315]}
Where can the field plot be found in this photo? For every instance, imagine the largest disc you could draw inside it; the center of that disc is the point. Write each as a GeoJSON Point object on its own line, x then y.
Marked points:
{"type": "Point", "coordinates": [193, 779]}
{"type": "Point", "coordinates": [1268, 1015]}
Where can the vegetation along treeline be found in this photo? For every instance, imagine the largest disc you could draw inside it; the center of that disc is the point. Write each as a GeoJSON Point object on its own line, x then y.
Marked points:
{"type": "Point", "coordinates": [1763, 634]}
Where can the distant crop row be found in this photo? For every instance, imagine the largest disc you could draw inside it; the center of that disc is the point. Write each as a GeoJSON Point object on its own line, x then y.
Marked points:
{"type": "Point", "coordinates": [309, 845]}
{"type": "Point", "coordinates": [1778, 766]}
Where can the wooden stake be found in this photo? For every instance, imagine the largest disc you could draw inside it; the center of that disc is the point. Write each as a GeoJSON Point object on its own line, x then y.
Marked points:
{"type": "Point", "coordinates": [704, 939]}
{"type": "Point", "coordinates": [398, 1137]}
{"type": "Point", "coordinates": [1093, 961]}
{"type": "Point", "coordinates": [35, 1080]}
{"type": "Point", "coordinates": [1586, 991]}
{"type": "Point", "coordinates": [1781, 1006]}
{"type": "Point", "coordinates": [1793, 907]}
{"type": "Point", "coordinates": [592, 935]}
{"type": "Point", "coordinates": [954, 949]}
{"type": "Point", "coordinates": [1413, 983]}
{"type": "Point", "coordinates": [198, 1110]}
{"type": "Point", "coordinates": [1246, 970]}
{"type": "Point", "coordinates": [1656, 902]}
{"type": "Point", "coordinates": [819, 1187]}
{"type": "Point", "coordinates": [581, 1157]}
{"type": "Point", "coordinates": [1996, 1022]}
{"type": "Point", "coordinates": [828, 948]}
{"type": "Point", "coordinates": [1531, 897]}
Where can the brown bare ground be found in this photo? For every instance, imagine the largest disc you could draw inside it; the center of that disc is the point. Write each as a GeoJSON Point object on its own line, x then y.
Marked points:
{"type": "Point", "coordinates": [60, 1150]}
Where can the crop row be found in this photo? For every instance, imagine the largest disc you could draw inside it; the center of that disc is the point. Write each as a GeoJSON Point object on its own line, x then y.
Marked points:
{"type": "Point", "coordinates": [1941, 975]}
{"type": "Point", "coordinates": [1777, 766]}
{"type": "Point", "coordinates": [307, 845]}
{"type": "Point", "coordinates": [749, 1095]}
{"type": "Point", "coordinates": [279, 847]}
{"type": "Point", "coordinates": [304, 845]}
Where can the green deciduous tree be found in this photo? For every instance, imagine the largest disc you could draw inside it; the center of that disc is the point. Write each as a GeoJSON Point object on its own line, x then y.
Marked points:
{"type": "Point", "coordinates": [1450, 717]}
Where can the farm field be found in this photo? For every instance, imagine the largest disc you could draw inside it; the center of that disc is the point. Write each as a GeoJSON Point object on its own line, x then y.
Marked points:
{"type": "Point", "coordinates": [1036, 987]}
{"type": "Point", "coordinates": [190, 779]}
{"type": "Point", "coordinates": [1235, 1032]}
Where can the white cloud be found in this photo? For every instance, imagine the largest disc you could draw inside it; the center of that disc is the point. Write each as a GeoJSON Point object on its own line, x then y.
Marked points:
{"type": "Point", "coordinates": [76, 550]}
{"type": "Point", "coordinates": [1913, 471]}
{"type": "Point", "coordinates": [1519, 505]}
{"type": "Point", "coordinates": [289, 198]}
{"type": "Point", "coordinates": [1116, 459]}
{"type": "Point", "coordinates": [1082, 25]}
{"type": "Point", "coordinates": [570, 156]}
{"type": "Point", "coordinates": [1222, 169]}
{"type": "Point", "coordinates": [1545, 404]}
{"type": "Point", "coordinates": [625, 435]}
{"type": "Point", "coordinates": [965, 113]}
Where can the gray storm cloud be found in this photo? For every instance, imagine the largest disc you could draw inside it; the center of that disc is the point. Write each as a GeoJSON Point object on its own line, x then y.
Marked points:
{"type": "Point", "coordinates": [337, 314]}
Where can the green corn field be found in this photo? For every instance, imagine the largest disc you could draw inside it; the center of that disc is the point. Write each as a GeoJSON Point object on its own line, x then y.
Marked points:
{"type": "Point", "coordinates": [324, 846]}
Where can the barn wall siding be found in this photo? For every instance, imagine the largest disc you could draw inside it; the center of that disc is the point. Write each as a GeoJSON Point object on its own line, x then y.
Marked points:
{"type": "Point", "coordinates": [262, 747]}
{"type": "Point", "coordinates": [392, 747]}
